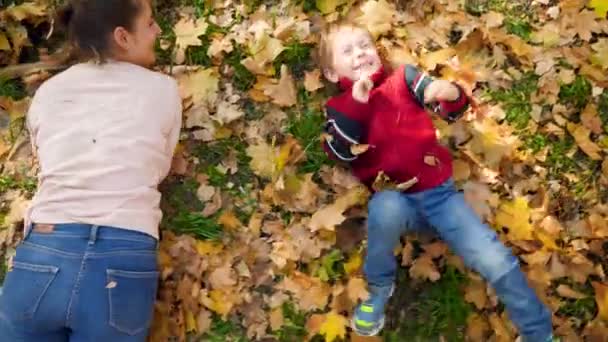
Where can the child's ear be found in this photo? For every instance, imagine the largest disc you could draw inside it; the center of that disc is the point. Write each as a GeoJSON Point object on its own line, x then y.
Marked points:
{"type": "Point", "coordinates": [331, 75]}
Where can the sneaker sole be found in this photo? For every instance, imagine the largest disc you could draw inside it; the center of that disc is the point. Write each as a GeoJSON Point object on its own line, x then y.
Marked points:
{"type": "Point", "coordinates": [376, 330]}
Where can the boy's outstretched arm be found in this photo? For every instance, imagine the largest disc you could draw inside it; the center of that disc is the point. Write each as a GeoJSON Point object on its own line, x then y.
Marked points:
{"type": "Point", "coordinates": [418, 85]}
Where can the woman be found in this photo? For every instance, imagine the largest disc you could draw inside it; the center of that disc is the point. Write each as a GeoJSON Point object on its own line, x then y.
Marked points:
{"type": "Point", "coordinates": [104, 131]}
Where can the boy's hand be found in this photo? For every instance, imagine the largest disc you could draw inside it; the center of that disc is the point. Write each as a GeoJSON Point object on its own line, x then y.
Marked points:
{"type": "Point", "coordinates": [362, 88]}
{"type": "Point", "coordinates": [441, 90]}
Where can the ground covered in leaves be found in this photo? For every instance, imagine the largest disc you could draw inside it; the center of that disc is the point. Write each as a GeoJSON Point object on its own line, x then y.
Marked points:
{"type": "Point", "coordinates": [263, 237]}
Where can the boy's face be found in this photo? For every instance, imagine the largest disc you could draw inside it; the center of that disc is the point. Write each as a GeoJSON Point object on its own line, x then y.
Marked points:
{"type": "Point", "coordinates": [354, 54]}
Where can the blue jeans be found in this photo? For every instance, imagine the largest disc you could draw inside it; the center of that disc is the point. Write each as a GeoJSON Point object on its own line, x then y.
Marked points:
{"type": "Point", "coordinates": [80, 283]}
{"type": "Point", "coordinates": [443, 210]}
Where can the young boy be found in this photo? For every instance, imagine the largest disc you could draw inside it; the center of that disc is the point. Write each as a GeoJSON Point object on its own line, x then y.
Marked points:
{"type": "Point", "coordinates": [387, 112]}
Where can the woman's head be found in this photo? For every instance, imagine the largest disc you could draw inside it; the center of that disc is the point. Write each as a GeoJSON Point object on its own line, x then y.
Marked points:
{"type": "Point", "coordinates": [123, 30]}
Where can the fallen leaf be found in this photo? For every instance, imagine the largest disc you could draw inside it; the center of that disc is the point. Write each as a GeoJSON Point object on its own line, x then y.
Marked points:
{"type": "Point", "coordinates": [276, 319]}
{"type": "Point", "coordinates": [357, 289]}
{"type": "Point", "coordinates": [581, 136]}
{"type": "Point", "coordinates": [333, 327]}
{"type": "Point", "coordinates": [330, 216]}
{"type": "Point", "coordinates": [500, 329]}
{"type": "Point", "coordinates": [201, 86]}
{"type": "Point", "coordinates": [601, 298]}
{"type": "Point", "coordinates": [312, 79]}
{"type": "Point", "coordinates": [475, 292]}
{"type": "Point", "coordinates": [358, 149]}
{"type": "Point", "coordinates": [377, 16]}
{"type": "Point", "coordinates": [515, 215]}
{"type": "Point", "coordinates": [222, 277]}
{"type": "Point", "coordinates": [4, 44]}
{"type": "Point", "coordinates": [568, 292]}
{"type": "Point", "coordinates": [203, 321]}
{"type": "Point", "coordinates": [590, 119]}
{"type": "Point", "coordinates": [424, 268]}
{"type": "Point", "coordinates": [600, 7]}
{"type": "Point", "coordinates": [187, 33]}
{"type": "Point", "coordinates": [477, 328]}
{"type": "Point", "coordinates": [329, 6]}
{"type": "Point", "coordinates": [26, 10]}
{"type": "Point", "coordinates": [284, 92]}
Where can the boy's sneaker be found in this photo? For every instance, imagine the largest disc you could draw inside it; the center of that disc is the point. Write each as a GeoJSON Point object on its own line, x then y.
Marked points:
{"type": "Point", "coordinates": [368, 319]}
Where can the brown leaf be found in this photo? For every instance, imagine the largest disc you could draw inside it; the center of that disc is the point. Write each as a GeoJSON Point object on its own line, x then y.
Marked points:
{"type": "Point", "coordinates": [358, 149]}
{"type": "Point", "coordinates": [229, 220]}
{"type": "Point", "coordinates": [222, 277]}
{"type": "Point", "coordinates": [461, 170]}
{"type": "Point", "coordinates": [284, 92]}
{"type": "Point", "coordinates": [581, 136]}
{"type": "Point", "coordinates": [477, 328]}
{"type": "Point", "coordinates": [423, 268]}
{"type": "Point", "coordinates": [313, 324]}
{"type": "Point", "coordinates": [276, 319]}
{"type": "Point", "coordinates": [568, 292]}
{"type": "Point", "coordinates": [500, 329]}
{"type": "Point", "coordinates": [312, 80]}
{"type": "Point", "coordinates": [357, 289]}
{"type": "Point", "coordinates": [475, 292]}
{"type": "Point", "coordinates": [407, 254]}
{"type": "Point", "coordinates": [591, 119]}
{"type": "Point", "coordinates": [601, 298]}
{"type": "Point", "coordinates": [203, 321]}
{"type": "Point", "coordinates": [354, 337]}
{"type": "Point", "coordinates": [436, 249]}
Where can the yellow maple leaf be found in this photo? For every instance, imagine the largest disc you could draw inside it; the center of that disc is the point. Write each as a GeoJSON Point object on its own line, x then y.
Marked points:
{"type": "Point", "coordinates": [201, 85]}
{"type": "Point", "coordinates": [333, 327]}
{"type": "Point", "coordinates": [600, 7]}
{"type": "Point", "coordinates": [601, 297]}
{"type": "Point", "coordinates": [329, 6]}
{"type": "Point", "coordinates": [26, 11]}
{"type": "Point", "coordinates": [187, 32]}
{"type": "Point", "coordinates": [190, 322]}
{"type": "Point", "coordinates": [262, 159]}
{"type": "Point", "coordinates": [377, 16]}
{"type": "Point", "coordinates": [581, 136]}
{"type": "Point", "coordinates": [229, 220]}
{"type": "Point", "coordinates": [515, 215]}
{"type": "Point", "coordinates": [264, 50]}
{"type": "Point", "coordinates": [217, 301]}
{"type": "Point", "coordinates": [312, 80]}
{"type": "Point", "coordinates": [353, 264]}
{"type": "Point", "coordinates": [600, 57]}
{"type": "Point", "coordinates": [4, 44]}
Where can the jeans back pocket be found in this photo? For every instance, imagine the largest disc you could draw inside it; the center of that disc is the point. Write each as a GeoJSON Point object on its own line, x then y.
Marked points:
{"type": "Point", "coordinates": [24, 287]}
{"type": "Point", "coordinates": [131, 298]}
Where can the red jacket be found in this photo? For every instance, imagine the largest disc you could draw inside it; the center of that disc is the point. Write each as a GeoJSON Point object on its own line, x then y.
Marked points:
{"type": "Point", "coordinates": [398, 129]}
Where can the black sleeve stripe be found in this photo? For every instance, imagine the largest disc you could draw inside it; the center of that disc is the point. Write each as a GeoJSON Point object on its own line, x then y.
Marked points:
{"type": "Point", "coordinates": [345, 124]}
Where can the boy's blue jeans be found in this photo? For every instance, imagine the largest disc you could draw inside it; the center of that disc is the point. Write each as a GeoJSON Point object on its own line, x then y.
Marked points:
{"type": "Point", "coordinates": [443, 210]}
{"type": "Point", "coordinates": [80, 283]}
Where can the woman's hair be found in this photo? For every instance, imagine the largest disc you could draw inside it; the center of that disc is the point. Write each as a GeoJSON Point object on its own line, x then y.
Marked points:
{"type": "Point", "coordinates": [90, 23]}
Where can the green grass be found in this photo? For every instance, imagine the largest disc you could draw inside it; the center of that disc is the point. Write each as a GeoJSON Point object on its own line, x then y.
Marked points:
{"type": "Point", "coordinates": [584, 309]}
{"type": "Point", "coordinates": [294, 324]}
{"type": "Point", "coordinates": [602, 109]}
{"type": "Point", "coordinates": [195, 224]}
{"type": "Point", "coordinates": [224, 331]}
{"type": "Point", "coordinates": [306, 126]}
{"type": "Point", "coordinates": [438, 309]}
{"type": "Point", "coordinates": [516, 99]}
{"type": "Point", "coordinates": [330, 267]}
{"type": "Point", "coordinates": [243, 79]}
{"type": "Point", "coordinates": [213, 153]}
{"type": "Point", "coordinates": [25, 184]}
{"type": "Point", "coordinates": [3, 270]}
{"type": "Point", "coordinates": [577, 93]}
{"type": "Point", "coordinates": [13, 89]}
{"type": "Point", "coordinates": [518, 15]}
{"type": "Point", "coordinates": [296, 56]}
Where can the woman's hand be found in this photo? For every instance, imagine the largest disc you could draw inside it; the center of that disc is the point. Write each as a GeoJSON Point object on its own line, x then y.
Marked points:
{"type": "Point", "coordinates": [441, 90]}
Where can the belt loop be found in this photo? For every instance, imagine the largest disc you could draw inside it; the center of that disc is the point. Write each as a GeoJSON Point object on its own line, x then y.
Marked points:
{"type": "Point", "coordinates": [93, 234]}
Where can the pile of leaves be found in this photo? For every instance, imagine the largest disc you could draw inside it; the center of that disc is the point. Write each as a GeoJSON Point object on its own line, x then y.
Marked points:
{"type": "Point", "coordinates": [263, 237]}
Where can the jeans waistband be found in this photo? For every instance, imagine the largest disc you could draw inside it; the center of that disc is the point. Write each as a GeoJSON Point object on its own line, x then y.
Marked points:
{"type": "Point", "coordinates": [89, 231]}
